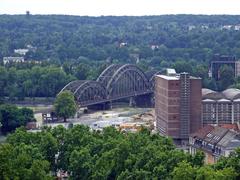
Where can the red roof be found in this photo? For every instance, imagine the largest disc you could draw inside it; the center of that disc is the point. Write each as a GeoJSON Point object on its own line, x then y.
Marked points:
{"type": "Point", "coordinates": [230, 126]}
{"type": "Point", "coordinates": [201, 133]}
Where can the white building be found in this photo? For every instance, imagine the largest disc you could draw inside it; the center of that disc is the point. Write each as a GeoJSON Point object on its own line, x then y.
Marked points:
{"type": "Point", "coordinates": [237, 27]}
{"type": "Point", "coordinates": [226, 27]}
{"type": "Point", "coordinates": [7, 60]}
{"type": "Point", "coordinates": [21, 51]}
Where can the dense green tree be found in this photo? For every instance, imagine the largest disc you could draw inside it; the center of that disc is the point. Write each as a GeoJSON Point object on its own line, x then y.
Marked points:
{"type": "Point", "coordinates": [226, 77]}
{"type": "Point", "coordinates": [80, 164]}
{"type": "Point", "coordinates": [109, 154]}
{"type": "Point", "coordinates": [22, 162]}
{"type": "Point", "coordinates": [81, 71]}
{"type": "Point", "coordinates": [33, 81]}
{"type": "Point", "coordinates": [198, 159]}
{"type": "Point", "coordinates": [233, 161]}
{"type": "Point", "coordinates": [49, 148]}
{"type": "Point", "coordinates": [209, 173]}
{"type": "Point", "coordinates": [184, 171]}
{"type": "Point", "coordinates": [183, 66]}
{"type": "Point", "coordinates": [12, 117]}
{"type": "Point", "coordinates": [65, 105]}
{"type": "Point", "coordinates": [3, 80]}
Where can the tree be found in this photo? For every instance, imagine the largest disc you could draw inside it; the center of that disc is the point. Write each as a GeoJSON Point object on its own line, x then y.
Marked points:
{"type": "Point", "coordinates": [183, 66]}
{"type": "Point", "coordinates": [233, 161]}
{"type": "Point", "coordinates": [226, 77]}
{"type": "Point", "coordinates": [208, 173]}
{"type": "Point", "coordinates": [198, 159]}
{"type": "Point", "coordinates": [12, 117]}
{"type": "Point", "coordinates": [80, 164]}
{"type": "Point", "coordinates": [183, 171]}
{"type": "Point", "coordinates": [81, 71]}
{"type": "Point", "coordinates": [22, 162]}
{"type": "Point", "coordinates": [109, 154]}
{"type": "Point", "coordinates": [48, 147]}
{"type": "Point", "coordinates": [3, 81]}
{"type": "Point", "coordinates": [65, 105]}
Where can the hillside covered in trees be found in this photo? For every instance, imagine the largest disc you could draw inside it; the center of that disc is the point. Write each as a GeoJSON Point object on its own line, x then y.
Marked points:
{"type": "Point", "coordinates": [61, 38]}
{"type": "Point", "coordinates": [74, 47]}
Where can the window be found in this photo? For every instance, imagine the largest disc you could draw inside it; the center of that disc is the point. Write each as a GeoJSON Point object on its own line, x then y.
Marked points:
{"type": "Point", "coordinates": [209, 135]}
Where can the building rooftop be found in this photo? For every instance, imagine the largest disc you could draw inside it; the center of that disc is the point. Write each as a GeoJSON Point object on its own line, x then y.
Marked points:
{"type": "Point", "coordinates": [168, 77]}
{"type": "Point", "coordinates": [206, 91]}
{"type": "Point", "coordinates": [208, 100]}
{"type": "Point", "coordinates": [201, 133]}
{"type": "Point", "coordinates": [229, 94]}
{"type": "Point", "coordinates": [234, 127]}
{"type": "Point", "coordinates": [236, 100]}
{"type": "Point", "coordinates": [232, 93]}
{"type": "Point", "coordinates": [227, 138]}
{"type": "Point", "coordinates": [171, 72]}
{"type": "Point", "coordinates": [210, 94]}
{"type": "Point", "coordinates": [218, 136]}
{"type": "Point", "coordinates": [175, 77]}
{"type": "Point", "coordinates": [224, 100]}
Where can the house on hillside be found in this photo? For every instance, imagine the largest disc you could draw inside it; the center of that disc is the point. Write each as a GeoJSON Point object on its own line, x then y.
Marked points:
{"type": "Point", "coordinates": [7, 60]}
{"type": "Point", "coordinates": [22, 52]}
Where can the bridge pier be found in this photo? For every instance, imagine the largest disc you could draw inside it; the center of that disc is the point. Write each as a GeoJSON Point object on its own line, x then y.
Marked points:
{"type": "Point", "coordinates": [102, 106]}
{"type": "Point", "coordinates": [144, 101]}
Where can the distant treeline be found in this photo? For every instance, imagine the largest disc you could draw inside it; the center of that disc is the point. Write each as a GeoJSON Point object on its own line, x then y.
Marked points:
{"type": "Point", "coordinates": [74, 47]}
{"type": "Point", "coordinates": [176, 37]}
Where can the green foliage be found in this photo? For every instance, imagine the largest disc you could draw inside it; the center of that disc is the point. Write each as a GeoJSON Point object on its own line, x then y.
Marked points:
{"type": "Point", "coordinates": [22, 162]}
{"type": "Point", "coordinates": [65, 105]}
{"type": "Point", "coordinates": [209, 173]}
{"type": "Point", "coordinates": [226, 77]}
{"type": "Point", "coordinates": [80, 164]}
{"type": "Point", "coordinates": [184, 171]}
{"type": "Point", "coordinates": [12, 117]}
{"type": "Point", "coordinates": [63, 38]}
{"type": "Point", "coordinates": [3, 80]}
{"type": "Point", "coordinates": [198, 159]}
{"type": "Point", "coordinates": [109, 154]}
{"type": "Point", "coordinates": [233, 161]}
{"type": "Point", "coordinates": [71, 47]}
{"type": "Point", "coordinates": [36, 81]}
{"type": "Point", "coordinates": [81, 72]}
{"type": "Point", "coordinates": [183, 66]}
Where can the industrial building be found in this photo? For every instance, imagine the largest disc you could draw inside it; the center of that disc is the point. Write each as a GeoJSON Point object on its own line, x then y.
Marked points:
{"type": "Point", "coordinates": [178, 99]}
{"type": "Point", "coordinates": [219, 61]}
{"type": "Point", "coordinates": [221, 107]}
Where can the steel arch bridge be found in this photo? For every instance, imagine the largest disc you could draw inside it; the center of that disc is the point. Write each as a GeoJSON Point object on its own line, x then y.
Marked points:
{"type": "Point", "coordinates": [115, 82]}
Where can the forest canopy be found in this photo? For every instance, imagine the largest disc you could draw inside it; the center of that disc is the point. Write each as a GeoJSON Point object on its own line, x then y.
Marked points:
{"type": "Point", "coordinates": [80, 47]}
{"type": "Point", "coordinates": [109, 154]}
{"type": "Point", "coordinates": [188, 37]}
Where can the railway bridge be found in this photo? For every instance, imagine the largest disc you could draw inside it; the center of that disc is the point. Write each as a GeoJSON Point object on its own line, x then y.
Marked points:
{"type": "Point", "coordinates": [114, 83]}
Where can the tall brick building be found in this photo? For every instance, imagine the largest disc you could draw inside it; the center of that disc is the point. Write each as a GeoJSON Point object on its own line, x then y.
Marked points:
{"type": "Point", "coordinates": [178, 99]}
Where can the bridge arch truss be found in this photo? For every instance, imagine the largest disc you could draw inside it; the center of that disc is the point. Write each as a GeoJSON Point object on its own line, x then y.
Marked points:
{"type": "Point", "coordinates": [127, 81]}
{"type": "Point", "coordinates": [115, 82]}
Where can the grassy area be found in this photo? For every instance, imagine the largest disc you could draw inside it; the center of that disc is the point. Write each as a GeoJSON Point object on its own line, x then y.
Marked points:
{"type": "Point", "coordinates": [37, 109]}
